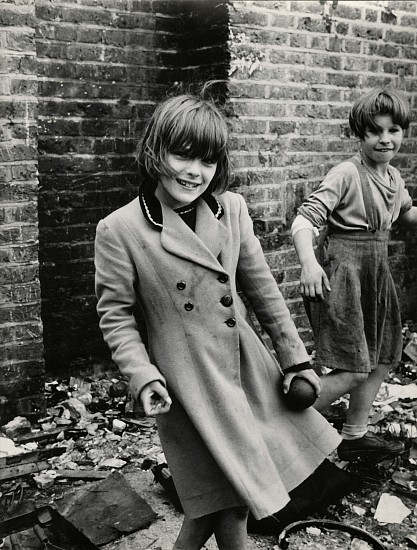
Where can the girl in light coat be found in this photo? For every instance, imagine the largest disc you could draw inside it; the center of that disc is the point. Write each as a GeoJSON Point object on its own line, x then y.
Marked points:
{"type": "Point", "coordinates": [177, 253]}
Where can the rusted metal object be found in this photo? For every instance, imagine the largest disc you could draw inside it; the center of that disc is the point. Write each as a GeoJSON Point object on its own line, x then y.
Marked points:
{"type": "Point", "coordinates": [328, 525]}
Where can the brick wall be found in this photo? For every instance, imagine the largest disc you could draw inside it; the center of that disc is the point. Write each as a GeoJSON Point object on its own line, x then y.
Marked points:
{"type": "Point", "coordinates": [204, 52]}
{"type": "Point", "coordinates": [21, 349]}
{"type": "Point", "coordinates": [296, 68]}
{"type": "Point", "coordinates": [102, 66]}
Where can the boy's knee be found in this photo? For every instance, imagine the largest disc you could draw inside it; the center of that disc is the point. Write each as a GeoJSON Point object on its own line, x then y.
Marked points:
{"type": "Point", "coordinates": [237, 513]}
{"type": "Point", "coordinates": [241, 512]}
{"type": "Point", "coordinates": [358, 378]}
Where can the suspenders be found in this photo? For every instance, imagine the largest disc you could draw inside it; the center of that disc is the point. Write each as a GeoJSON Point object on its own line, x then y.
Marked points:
{"type": "Point", "coordinates": [367, 194]}
{"type": "Point", "coordinates": [368, 198]}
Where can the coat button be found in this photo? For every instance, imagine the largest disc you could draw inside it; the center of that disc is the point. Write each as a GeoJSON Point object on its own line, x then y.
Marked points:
{"type": "Point", "coordinates": [181, 285]}
{"type": "Point", "coordinates": [189, 306]}
{"type": "Point", "coordinates": [231, 322]}
{"type": "Point", "coordinates": [226, 300]}
{"type": "Point", "coordinates": [223, 278]}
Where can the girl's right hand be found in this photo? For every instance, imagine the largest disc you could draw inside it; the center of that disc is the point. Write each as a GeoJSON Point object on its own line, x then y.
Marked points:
{"type": "Point", "coordinates": [313, 280]}
{"type": "Point", "coordinates": [155, 399]}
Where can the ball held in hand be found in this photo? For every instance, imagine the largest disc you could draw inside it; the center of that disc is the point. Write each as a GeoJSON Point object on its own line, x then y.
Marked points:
{"type": "Point", "coordinates": [301, 394]}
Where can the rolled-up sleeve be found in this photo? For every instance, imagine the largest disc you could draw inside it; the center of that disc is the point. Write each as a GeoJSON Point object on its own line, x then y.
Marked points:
{"type": "Point", "coordinates": [326, 198]}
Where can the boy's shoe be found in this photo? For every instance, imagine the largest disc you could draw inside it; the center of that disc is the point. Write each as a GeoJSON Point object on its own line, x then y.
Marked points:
{"type": "Point", "coordinates": [370, 445]}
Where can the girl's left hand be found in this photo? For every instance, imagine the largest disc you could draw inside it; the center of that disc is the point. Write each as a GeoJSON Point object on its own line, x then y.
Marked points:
{"type": "Point", "coordinates": [309, 374]}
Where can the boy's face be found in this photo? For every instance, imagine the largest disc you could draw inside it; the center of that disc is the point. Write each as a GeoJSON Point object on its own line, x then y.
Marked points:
{"type": "Point", "coordinates": [192, 178]}
{"type": "Point", "coordinates": [382, 145]}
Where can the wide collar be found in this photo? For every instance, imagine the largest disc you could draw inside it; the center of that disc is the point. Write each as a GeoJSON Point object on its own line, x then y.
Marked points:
{"type": "Point", "coordinates": [202, 246]}
{"type": "Point", "coordinates": [151, 207]}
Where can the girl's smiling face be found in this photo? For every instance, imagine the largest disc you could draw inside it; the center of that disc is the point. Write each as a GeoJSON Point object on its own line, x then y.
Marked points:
{"type": "Point", "coordinates": [191, 178]}
{"type": "Point", "coordinates": [382, 144]}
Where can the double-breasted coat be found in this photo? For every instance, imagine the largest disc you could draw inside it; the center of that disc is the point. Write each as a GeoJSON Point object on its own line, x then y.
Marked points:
{"type": "Point", "coordinates": [228, 437]}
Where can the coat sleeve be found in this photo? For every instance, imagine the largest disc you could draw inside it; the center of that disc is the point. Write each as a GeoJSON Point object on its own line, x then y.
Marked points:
{"type": "Point", "coordinates": [260, 288]}
{"type": "Point", "coordinates": [115, 277]}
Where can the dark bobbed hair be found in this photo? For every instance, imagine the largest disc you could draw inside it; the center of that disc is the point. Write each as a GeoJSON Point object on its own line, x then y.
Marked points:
{"type": "Point", "coordinates": [185, 124]}
{"type": "Point", "coordinates": [378, 102]}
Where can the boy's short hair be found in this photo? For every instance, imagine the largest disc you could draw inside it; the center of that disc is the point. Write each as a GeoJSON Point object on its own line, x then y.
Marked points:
{"type": "Point", "coordinates": [190, 125]}
{"type": "Point", "coordinates": [378, 102]}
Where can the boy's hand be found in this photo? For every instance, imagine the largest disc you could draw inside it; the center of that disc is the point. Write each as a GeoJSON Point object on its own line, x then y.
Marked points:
{"type": "Point", "coordinates": [309, 374]}
{"type": "Point", "coordinates": [155, 399]}
{"type": "Point", "coordinates": [313, 280]}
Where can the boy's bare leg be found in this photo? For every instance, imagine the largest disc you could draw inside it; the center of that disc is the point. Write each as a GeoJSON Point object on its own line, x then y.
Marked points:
{"type": "Point", "coordinates": [363, 396]}
{"type": "Point", "coordinates": [362, 388]}
{"type": "Point", "coordinates": [357, 441]}
{"type": "Point", "coordinates": [194, 533]}
{"type": "Point", "coordinates": [230, 528]}
{"type": "Point", "coordinates": [338, 383]}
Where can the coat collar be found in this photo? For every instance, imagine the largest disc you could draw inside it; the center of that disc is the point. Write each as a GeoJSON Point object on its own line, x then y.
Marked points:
{"type": "Point", "coordinates": [202, 246]}
{"type": "Point", "coordinates": [151, 207]}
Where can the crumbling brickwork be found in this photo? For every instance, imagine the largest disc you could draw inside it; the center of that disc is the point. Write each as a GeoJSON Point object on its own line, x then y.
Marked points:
{"type": "Point", "coordinates": [21, 347]}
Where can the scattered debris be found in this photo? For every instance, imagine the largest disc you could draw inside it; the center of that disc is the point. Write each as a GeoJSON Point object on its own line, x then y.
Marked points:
{"type": "Point", "coordinates": [411, 348]}
{"type": "Point", "coordinates": [406, 479]}
{"type": "Point", "coordinates": [112, 463]}
{"type": "Point", "coordinates": [45, 526]}
{"type": "Point", "coordinates": [45, 479]}
{"type": "Point", "coordinates": [412, 540]}
{"type": "Point", "coordinates": [391, 509]}
{"type": "Point", "coordinates": [18, 426]}
{"type": "Point", "coordinates": [14, 472]}
{"type": "Point", "coordinates": [358, 544]}
{"type": "Point", "coordinates": [327, 535]}
{"type": "Point", "coordinates": [91, 432]}
{"type": "Point", "coordinates": [106, 510]}
{"type": "Point", "coordinates": [85, 475]}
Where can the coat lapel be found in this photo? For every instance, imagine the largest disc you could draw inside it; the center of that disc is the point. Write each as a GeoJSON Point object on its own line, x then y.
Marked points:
{"type": "Point", "coordinates": [202, 247]}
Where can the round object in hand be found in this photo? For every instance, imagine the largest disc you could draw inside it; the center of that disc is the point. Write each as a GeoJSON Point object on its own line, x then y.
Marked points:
{"type": "Point", "coordinates": [301, 394]}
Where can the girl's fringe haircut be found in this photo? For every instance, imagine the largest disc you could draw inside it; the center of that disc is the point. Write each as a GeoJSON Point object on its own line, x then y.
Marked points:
{"type": "Point", "coordinates": [192, 123]}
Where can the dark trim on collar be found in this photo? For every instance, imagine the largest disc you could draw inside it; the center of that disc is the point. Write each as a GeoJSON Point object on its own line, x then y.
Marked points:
{"type": "Point", "coordinates": [151, 207]}
{"type": "Point", "coordinates": [214, 205]}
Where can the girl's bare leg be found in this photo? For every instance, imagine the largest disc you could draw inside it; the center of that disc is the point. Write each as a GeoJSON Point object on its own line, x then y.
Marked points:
{"type": "Point", "coordinates": [194, 533]}
{"type": "Point", "coordinates": [230, 528]}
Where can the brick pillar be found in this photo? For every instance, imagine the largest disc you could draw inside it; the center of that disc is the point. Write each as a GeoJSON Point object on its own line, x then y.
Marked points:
{"type": "Point", "coordinates": [102, 66]}
{"type": "Point", "coordinates": [21, 347]}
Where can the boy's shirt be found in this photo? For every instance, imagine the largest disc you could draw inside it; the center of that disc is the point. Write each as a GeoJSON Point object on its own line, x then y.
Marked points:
{"type": "Point", "coordinates": [338, 200]}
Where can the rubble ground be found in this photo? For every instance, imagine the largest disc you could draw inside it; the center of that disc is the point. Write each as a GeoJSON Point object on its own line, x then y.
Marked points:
{"type": "Point", "coordinates": [92, 429]}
